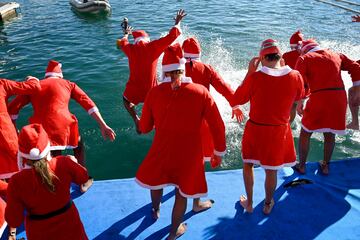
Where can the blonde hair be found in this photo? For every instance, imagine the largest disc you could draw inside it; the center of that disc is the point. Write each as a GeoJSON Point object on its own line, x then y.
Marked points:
{"type": "Point", "coordinates": [42, 169]}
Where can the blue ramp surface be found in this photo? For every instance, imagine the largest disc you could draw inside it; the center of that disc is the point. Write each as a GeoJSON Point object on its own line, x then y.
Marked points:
{"type": "Point", "coordinates": [326, 208]}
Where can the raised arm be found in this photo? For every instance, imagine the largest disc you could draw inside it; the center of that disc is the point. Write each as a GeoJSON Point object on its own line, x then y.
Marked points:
{"type": "Point", "coordinates": [16, 105]}
{"type": "Point", "coordinates": [29, 86]}
{"type": "Point", "coordinates": [123, 43]}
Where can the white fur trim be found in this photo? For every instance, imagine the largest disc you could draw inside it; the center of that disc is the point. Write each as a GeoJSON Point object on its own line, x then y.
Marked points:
{"type": "Point", "coordinates": [276, 72]}
{"type": "Point", "coordinates": [191, 55]}
{"type": "Point", "coordinates": [183, 80]}
{"type": "Point", "coordinates": [62, 147]}
{"type": "Point", "coordinates": [53, 74]}
{"type": "Point", "coordinates": [236, 107]}
{"type": "Point", "coordinates": [22, 165]}
{"type": "Point", "coordinates": [294, 45]}
{"type": "Point", "coordinates": [174, 66]}
{"type": "Point", "coordinates": [207, 159]}
{"type": "Point", "coordinates": [324, 130]}
{"type": "Point", "coordinates": [257, 162]}
{"type": "Point", "coordinates": [138, 39]}
{"type": "Point", "coordinates": [178, 27]}
{"type": "Point", "coordinates": [14, 117]}
{"type": "Point", "coordinates": [220, 154]}
{"type": "Point", "coordinates": [36, 155]}
{"type": "Point", "coordinates": [2, 229]}
{"type": "Point", "coordinates": [7, 175]}
{"type": "Point", "coordinates": [356, 83]}
{"type": "Point", "coordinates": [158, 187]}
{"type": "Point", "coordinates": [35, 78]}
{"type": "Point", "coordinates": [92, 110]}
{"type": "Point", "coordinates": [193, 59]}
{"type": "Point", "coordinates": [314, 49]}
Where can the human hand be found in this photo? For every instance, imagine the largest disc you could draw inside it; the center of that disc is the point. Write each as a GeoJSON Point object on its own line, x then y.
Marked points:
{"type": "Point", "coordinates": [108, 133]}
{"type": "Point", "coordinates": [215, 161]}
{"type": "Point", "coordinates": [355, 18]}
{"type": "Point", "coordinates": [179, 16]}
{"type": "Point", "coordinates": [238, 113]}
{"type": "Point", "coordinates": [300, 108]}
{"type": "Point", "coordinates": [253, 65]}
{"type": "Point", "coordinates": [128, 30]}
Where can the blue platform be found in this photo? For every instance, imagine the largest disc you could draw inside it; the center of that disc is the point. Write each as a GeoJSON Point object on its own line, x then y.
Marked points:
{"type": "Point", "coordinates": [329, 208]}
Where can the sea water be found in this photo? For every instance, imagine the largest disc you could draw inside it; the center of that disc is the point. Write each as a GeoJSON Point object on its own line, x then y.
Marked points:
{"type": "Point", "coordinates": [230, 33]}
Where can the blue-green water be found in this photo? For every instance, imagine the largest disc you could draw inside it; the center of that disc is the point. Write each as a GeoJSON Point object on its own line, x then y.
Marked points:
{"type": "Point", "coordinates": [230, 33]}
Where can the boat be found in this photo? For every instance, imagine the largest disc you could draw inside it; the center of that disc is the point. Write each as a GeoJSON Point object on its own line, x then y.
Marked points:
{"type": "Point", "coordinates": [8, 10]}
{"type": "Point", "coordinates": [91, 6]}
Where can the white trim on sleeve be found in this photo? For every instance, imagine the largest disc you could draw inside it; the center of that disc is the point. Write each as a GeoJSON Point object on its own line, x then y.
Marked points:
{"type": "Point", "coordinates": [92, 110]}
{"type": "Point", "coordinates": [14, 117]}
{"type": "Point", "coordinates": [178, 27]}
{"type": "Point", "coordinates": [220, 154]}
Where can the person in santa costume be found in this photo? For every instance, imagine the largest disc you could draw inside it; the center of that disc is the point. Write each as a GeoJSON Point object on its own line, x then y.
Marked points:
{"type": "Point", "coordinates": [325, 110]}
{"type": "Point", "coordinates": [291, 57]}
{"type": "Point", "coordinates": [8, 135]}
{"type": "Point", "coordinates": [50, 213]}
{"type": "Point", "coordinates": [143, 56]}
{"type": "Point", "coordinates": [205, 75]}
{"type": "Point", "coordinates": [51, 109]}
{"type": "Point", "coordinates": [176, 110]}
{"type": "Point", "coordinates": [273, 92]}
{"type": "Point", "coordinates": [354, 103]}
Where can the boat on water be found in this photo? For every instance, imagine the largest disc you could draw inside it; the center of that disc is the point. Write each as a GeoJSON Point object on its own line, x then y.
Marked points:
{"type": "Point", "coordinates": [8, 10]}
{"type": "Point", "coordinates": [91, 6]}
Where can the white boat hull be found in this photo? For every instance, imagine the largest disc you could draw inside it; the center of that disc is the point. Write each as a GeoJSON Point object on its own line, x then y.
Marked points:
{"type": "Point", "coordinates": [92, 6]}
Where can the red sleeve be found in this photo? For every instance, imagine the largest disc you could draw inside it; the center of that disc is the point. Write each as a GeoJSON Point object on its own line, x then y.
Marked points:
{"type": "Point", "coordinates": [242, 93]}
{"type": "Point", "coordinates": [82, 98]}
{"type": "Point", "coordinates": [3, 188]}
{"type": "Point", "coordinates": [147, 118]}
{"type": "Point", "coordinates": [216, 124]}
{"type": "Point", "coordinates": [17, 104]}
{"type": "Point", "coordinates": [301, 91]}
{"type": "Point", "coordinates": [14, 211]}
{"type": "Point", "coordinates": [18, 88]}
{"type": "Point", "coordinates": [301, 68]}
{"type": "Point", "coordinates": [220, 85]}
{"type": "Point", "coordinates": [79, 174]}
{"type": "Point", "coordinates": [162, 43]}
{"type": "Point", "coordinates": [124, 45]}
{"type": "Point", "coordinates": [352, 67]}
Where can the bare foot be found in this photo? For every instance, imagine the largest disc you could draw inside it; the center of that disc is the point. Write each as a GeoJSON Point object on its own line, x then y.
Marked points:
{"type": "Point", "coordinates": [202, 205]}
{"type": "Point", "coordinates": [324, 168]}
{"type": "Point", "coordinates": [155, 213]}
{"type": "Point", "coordinates": [246, 204]}
{"type": "Point", "coordinates": [300, 168]}
{"type": "Point", "coordinates": [85, 186]}
{"type": "Point", "coordinates": [353, 126]}
{"type": "Point", "coordinates": [268, 206]}
{"type": "Point", "coordinates": [180, 231]}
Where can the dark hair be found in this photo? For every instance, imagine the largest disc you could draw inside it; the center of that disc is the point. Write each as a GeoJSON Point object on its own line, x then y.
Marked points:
{"type": "Point", "coordinates": [273, 57]}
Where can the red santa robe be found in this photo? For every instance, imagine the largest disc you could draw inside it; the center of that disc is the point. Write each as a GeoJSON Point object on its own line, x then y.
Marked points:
{"type": "Point", "coordinates": [51, 109]}
{"type": "Point", "coordinates": [290, 58]}
{"type": "Point", "coordinates": [267, 138]}
{"type": "Point", "coordinates": [36, 199]}
{"type": "Point", "coordinates": [206, 75]}
{"type": "Point", "coordinates": [3, 224]}
{"type": "Point", "coordinates": [175, 157]}
{"type": "Point", "coordinates": [8, 135]}
{"type": "Point", "coordinates": [325, 110]}
{"type": "Point", "coordinates": [143, 57]}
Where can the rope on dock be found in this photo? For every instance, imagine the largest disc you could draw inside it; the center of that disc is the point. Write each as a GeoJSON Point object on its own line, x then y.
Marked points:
{"type": "Point", "coordinates": [348, 2]}
{"type": "Point", "coordinates": [339, 6]}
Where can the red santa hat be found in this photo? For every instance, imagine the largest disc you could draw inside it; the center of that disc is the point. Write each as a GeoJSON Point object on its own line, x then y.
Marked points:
{"type": "Point", "coordinates": [307, 45]}
{"type": "Point", "coordinates": [269, 46]}
{"type": "Point", "coordinates": [296, 39]}
{"type": "Point", "coordinates": [173, 59]}
{"type": "Point", "coordinates": [34, 142]}
{"type": "Point", "coordinates": [140, 35]}
{"type": "Point", "coordinates": [191, 47]}
{"type": "Point", "coordinates": [53, 69]}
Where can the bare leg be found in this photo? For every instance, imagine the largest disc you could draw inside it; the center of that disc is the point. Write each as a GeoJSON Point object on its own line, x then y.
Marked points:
{"type": "Point", "coordinates": [156, 196]}
{"type": "Point", "coordinates": [304, 146]}
{"type": "Point", "coordinates": [270, 186]}
{"type": "Point", "coordinates": [329, 144]}
{"type": "Point", "coordinates": [354, 124]}
{"type": "Point", "coordinates": [177, 227]}
{"type": "Point", "coordinates": [199, 206]}
{"type": "Point", "coordinates": [79, 153]}
{"type": "Point", "coordinates": [248, 174]}
{"type": "Point", "coordinates": [131, 109]}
